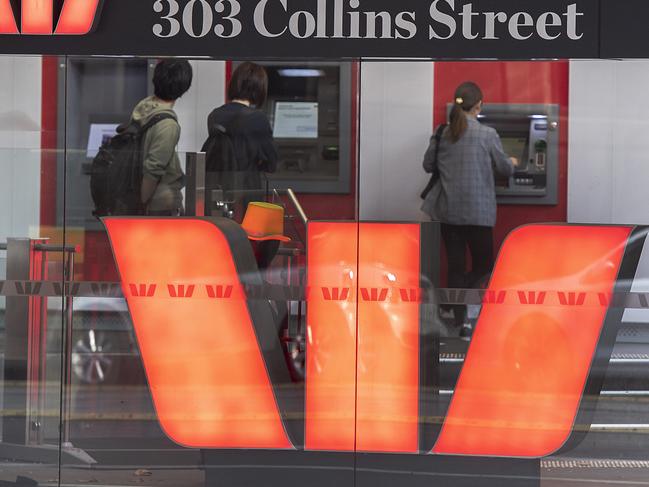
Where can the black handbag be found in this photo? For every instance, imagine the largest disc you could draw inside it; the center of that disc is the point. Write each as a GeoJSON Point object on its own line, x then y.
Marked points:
{"type": "Point", "coordinates": [435, 176]}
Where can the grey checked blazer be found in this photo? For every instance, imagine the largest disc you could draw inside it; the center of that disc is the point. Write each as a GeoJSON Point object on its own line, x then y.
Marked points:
{"type": "Point", "coordinates": [465, 193]}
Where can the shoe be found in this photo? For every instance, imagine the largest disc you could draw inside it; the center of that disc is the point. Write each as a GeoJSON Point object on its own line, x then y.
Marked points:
{"type": "Point", "coordinates": [466, 331]}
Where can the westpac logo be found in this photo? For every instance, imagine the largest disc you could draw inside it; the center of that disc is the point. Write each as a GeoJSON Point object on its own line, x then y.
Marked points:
{"type": "Point", "coordinates": [218, 378]}
{"type": "Point", "coordinates": [49, 17]}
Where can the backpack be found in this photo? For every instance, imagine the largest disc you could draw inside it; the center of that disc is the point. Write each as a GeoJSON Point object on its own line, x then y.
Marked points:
{"type": "Point", "coordinates": [116, 171]}
{"type": "Point", "coordinates": [222, 169]}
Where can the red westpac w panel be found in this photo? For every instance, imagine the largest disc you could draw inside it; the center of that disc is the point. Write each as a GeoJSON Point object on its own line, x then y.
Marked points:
{"type": "Point", "coordinates": [362, 386]}
{"type": "Point", "coordinates": [202, 358]}
{"type": "Point", "coordinates": [332, 273]}
{"type": "Point", "coordinates": [388, 338]}
{"type": "Point", "coordinates": [77, 17]}
{"type": "Point", "coordinates": [37, 16]}
{"type": "Point", "coordinates": [7, 20]}
{"type": "Point", "coordinates": [525, 372]}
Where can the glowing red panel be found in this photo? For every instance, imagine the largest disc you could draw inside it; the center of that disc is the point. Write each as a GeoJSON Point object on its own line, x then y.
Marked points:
{"type": "Point", "coordinates": [388, 338]}
{"type": "Point", "coordinates": [37, 16]}
{"type": "Point", "coordinates": [377, 375]}
{"type": "Point", "coordinates": [7, 20]}
{"type": "Point", "coordinates": [77, 17]}
{"type": "Point", "coordinates": [525, 372]}
{"type": "Point", "coordinates": [202, 359]}
{"type": "Point", "coordinates": [331, 336]}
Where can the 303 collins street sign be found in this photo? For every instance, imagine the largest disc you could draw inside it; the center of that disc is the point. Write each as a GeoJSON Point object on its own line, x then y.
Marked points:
{"type": "Point", "coordinates": [352, 19]}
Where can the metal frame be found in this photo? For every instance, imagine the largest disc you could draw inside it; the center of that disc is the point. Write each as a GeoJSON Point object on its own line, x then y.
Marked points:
{"type": "Point", "coordinates": [25, 364]}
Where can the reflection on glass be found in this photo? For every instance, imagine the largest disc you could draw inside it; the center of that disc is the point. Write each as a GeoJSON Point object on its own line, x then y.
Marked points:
{"type": "Point", "coordinates": [293, 334]}
{"type": "Point", "coordinates": [140, 387]}
{"type": "Point", "coordinates": [31, 258]}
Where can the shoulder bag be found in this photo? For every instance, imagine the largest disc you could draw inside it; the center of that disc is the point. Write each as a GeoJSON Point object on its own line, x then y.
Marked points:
{"type": "Point", "coordinates": [435, 176]}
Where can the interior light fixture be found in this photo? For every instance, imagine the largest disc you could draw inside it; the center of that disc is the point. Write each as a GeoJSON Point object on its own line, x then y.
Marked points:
{"type": "Point", "coordinates": [301, 73]}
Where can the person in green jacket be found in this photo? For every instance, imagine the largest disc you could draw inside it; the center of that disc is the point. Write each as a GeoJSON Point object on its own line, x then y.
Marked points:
{"type": "Point", "coordinates": [163, 178]}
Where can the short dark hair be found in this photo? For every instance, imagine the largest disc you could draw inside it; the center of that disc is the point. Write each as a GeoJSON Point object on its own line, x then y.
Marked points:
{"type": "Point", "coordinates": [172, 78]}
{"type": "Point", "coordinates": [249, 82]}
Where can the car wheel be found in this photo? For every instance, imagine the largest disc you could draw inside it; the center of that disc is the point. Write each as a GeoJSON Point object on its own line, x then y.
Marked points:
{"type": "Point", "coordinates": [296, 359]}
{"type": "Point", "coordinates": [92, 358]}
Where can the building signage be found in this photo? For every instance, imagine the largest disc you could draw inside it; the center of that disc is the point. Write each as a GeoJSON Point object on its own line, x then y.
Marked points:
{"type": "Point", "coordinates": [340, 29]}
{"type": "Point", "coordinates": [350, 19]}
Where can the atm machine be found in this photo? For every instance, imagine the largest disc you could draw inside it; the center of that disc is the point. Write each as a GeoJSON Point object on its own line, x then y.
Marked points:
{"type": "Point", "coordinates": [95, 96]}
{"type": "Point", "coordinates": [529, 132]}
{"type": "Point", "coordinates": [309, 109]}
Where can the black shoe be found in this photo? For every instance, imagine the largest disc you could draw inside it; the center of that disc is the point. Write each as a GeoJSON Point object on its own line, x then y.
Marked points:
{"type": "Point", "coordinates": [466, 331]}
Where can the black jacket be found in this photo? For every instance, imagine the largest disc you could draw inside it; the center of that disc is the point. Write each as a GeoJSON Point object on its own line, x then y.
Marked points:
{"type": "Point", "coordinates": [252, 138]}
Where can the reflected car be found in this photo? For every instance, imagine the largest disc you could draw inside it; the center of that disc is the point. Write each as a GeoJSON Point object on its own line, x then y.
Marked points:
{"type": "Point", "coordinates": [103, 341]}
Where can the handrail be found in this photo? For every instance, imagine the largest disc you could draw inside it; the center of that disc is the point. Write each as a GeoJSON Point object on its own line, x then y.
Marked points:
{"type": "Point", "coordinates": [48, 247]}
{"type": "Point", "coordinates": [297, 205]}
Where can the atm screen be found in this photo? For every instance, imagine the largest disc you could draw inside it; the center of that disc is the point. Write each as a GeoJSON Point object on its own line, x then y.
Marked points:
{"type": "Point", "coordinates": [295, 120]}
{"type": "Point", "coordinates": [515, 147]}
{"type": "Point", "coordinates": [99, 134]}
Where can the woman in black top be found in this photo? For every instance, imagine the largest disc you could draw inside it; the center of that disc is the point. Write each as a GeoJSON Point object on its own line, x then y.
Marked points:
{"type": "Point", "coordinates": [248, 129]}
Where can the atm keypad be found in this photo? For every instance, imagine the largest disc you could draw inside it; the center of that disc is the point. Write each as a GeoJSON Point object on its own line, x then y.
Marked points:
{"type": "Point", "coordinates": [524, 181]}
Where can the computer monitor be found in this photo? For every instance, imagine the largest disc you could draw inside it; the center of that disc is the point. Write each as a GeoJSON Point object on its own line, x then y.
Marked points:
{"type": "Point", "coordinates": [295, 120]}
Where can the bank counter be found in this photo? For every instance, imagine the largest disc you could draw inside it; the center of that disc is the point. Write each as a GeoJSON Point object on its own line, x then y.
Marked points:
{"type": "Point", "coordinates": [304, 332]}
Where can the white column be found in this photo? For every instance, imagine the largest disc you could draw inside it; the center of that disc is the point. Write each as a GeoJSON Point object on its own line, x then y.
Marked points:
{"type": "Point", "coordinates": [207, 93]}
{"type": "Point", "coordinates": [396, 119]}
{"type": "Point", "coordinates": [608, 155]}
{"type": "Point", "coordinates": [20, 144]}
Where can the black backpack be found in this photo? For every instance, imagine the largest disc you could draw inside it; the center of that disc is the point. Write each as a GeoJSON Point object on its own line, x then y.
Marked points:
{"type": "Point", "coordinates": [116, 171]}
{"type": "Point", "coordinates": [222, 169]}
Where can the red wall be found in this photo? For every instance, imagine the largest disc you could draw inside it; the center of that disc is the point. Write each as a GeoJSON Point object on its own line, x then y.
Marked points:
{"type": "Point", "coordinates": [514, 82]}
{"type": "Point", "coordinates": [49, 118]}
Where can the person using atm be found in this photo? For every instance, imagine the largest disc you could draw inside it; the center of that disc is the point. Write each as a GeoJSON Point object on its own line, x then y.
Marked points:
{"type": "Point", "coordinates": [463, 198]}
{"type": "Point", "coordinates": [240, 145]}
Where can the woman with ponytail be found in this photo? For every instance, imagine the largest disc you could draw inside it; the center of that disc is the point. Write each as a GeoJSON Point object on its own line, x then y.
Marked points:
{"type": "Point", "coordinates": [464, 197]}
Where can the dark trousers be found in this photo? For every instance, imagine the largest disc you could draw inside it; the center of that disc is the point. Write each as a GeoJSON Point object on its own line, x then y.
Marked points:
{"type": "Point", "coordinates": [479, 240]}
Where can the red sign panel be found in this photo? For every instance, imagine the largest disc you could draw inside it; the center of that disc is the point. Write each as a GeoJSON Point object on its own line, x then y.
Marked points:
{"type": "Point", "coordinates": [524, 375]}
{"type": "Point", "coordinates": [207, 376]}
{"type": "Point", "coordinates": [37, 17]}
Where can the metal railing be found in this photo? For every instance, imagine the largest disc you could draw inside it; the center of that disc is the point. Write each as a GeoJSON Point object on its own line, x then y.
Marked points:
{"type": "Point", "coordinates": [25, 339]}
{"type": "Point", "coordinates": [296, 204]}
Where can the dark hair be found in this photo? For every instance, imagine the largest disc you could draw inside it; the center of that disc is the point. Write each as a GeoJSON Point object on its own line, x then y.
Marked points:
{"type": "Point", "coordinates": [249, 82]}
{"type": "Point", "coordinates": [467, 96]}
{"type": "Point", "coordinates": [172, 78]}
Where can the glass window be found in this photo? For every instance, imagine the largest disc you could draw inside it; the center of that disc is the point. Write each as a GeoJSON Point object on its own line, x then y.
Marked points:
{"type": "Point", "coordinates": [534, 330]}
{"type": "Point", "coordinates": [192, 342]}
{"type": "Point", "coordinates": [33, 265]}
{"type": "Point", "coordinates": [298, 272]}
